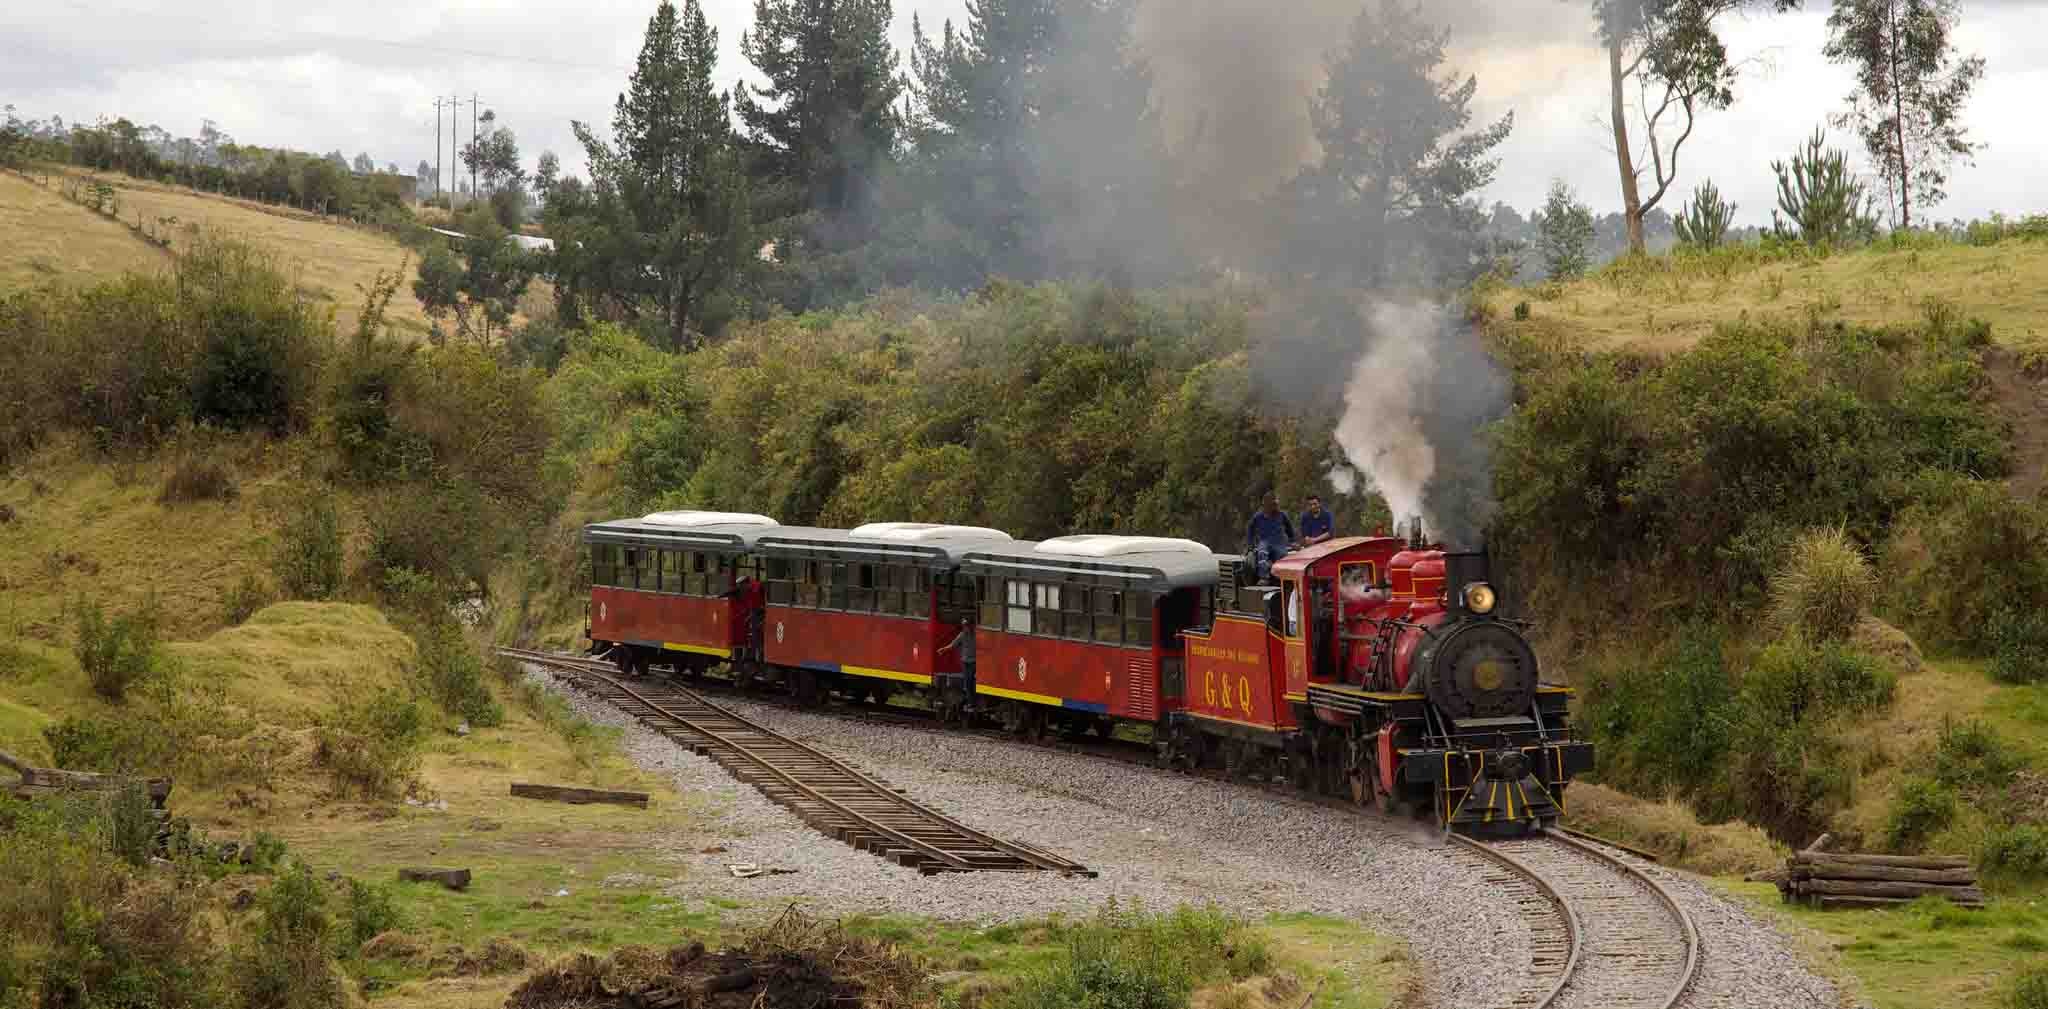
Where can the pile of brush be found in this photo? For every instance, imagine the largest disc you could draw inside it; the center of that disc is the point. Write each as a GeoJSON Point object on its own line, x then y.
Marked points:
{"type": "Point", "coordinates": [795, 962]}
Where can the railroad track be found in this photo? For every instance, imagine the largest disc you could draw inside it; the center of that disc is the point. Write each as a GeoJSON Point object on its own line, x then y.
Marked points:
{"type": "Point", "coordinates": [1601, 933]}
{"type": "Point", "coordinates": [830, 795]}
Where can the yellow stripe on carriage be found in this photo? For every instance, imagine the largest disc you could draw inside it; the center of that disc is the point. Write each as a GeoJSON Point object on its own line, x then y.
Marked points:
{"type": "Point", "coordinates": [723, 653]}
{"type": "Point", "coordinates": [886, 674]}
{"type": "Point", "coordinates": [1017, 695]}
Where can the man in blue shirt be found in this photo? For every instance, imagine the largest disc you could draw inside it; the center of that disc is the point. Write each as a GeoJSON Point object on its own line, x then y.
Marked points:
{"type": "Point", "coordinates": [1269, 535]}
{"type": "Point", "coordinates": [1317, 525]}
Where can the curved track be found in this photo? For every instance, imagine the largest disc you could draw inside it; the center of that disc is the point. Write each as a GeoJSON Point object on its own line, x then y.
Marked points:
{"type": "Point", "coordinates": [1602, 934]}
{"type": "Point", "coordinates": [824, 792]}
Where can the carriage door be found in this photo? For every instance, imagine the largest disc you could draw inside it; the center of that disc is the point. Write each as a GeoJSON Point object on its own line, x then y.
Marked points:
{"type": "Point", "coordinates": [1294, 632]}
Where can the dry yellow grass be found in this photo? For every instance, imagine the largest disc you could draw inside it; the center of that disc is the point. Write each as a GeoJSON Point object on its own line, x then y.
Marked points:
{"type": "Point", "coordinates": [52, 240]}
{"type": "Point", "coordinates": [1670, 302]}
{"type": "Point", "coordinates": [331, 260]}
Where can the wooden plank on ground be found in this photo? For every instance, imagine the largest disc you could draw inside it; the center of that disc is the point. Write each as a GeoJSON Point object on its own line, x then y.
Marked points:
{"type": "Point", "coordinates": [1879, 888]}
{"type": "Point", "coordinates": [1830, 869]}
{"type": "Point", "coordinates": [453, 879]}
{"type": "Point", "coordinates": [579, 796]}
{"type": "Point", "coordinates": [1903, 861]}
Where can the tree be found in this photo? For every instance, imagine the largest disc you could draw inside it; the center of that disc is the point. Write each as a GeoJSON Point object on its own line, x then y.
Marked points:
{"type": "Point", "coordinates": [1704, 222]}
{"type": "Point", "coordinates": [482, 288]}
{"type": "Point", "coordinates": [494, 156]}
{"type": "Point", "coordinates": [669, 223]}
{"type": "Point", "coordinates": [1669, 51]}
{"type": "Point", "coordinates": [1820, 195]}
{"type": "Point", "coordinates": [1390, 198]}
{"type": "Point", "coordinates": [546, 173]}
{"type": "Point", "coordinates": [1910, 91]}
{"type": "Point", "coordinates": [1565, 233]}
{"type": "Point", "coordinates": [825, 127]}
{"type": "Point", "coordinates": [424, 181]}
{"type": "Point", "coordinates": [362, 165]}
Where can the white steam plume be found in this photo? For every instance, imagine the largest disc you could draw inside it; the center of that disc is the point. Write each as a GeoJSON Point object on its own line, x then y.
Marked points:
{"type": "Point", "coordinates": [1382, 429]}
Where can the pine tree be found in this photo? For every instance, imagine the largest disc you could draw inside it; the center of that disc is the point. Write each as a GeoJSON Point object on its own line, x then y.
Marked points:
{"type": "Point", "coordinates": [671, 223]}
{"type": "Point", "coordinates": [1564, 234]}
{"type": "Point", "coordinates": [824, 130]}
{"type": "Point", "coordinates": [1389, 199]}
{"type": "Point", "coordinates": [1910, 91]}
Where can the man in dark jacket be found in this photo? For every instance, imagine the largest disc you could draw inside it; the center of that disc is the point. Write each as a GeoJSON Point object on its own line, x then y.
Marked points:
{"type": "Point", "coordinates": [1269, 535]}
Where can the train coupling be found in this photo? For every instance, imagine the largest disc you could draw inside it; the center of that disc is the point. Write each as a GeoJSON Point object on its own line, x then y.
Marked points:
{"type": "Point", "coordinates": [1506, 799]}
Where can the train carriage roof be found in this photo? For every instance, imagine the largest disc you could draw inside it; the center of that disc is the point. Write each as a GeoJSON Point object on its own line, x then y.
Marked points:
{"type": "Point", "coordinates": [1130, 561]}
{"type": "Point", "coordinates": [717, 532]}
{"type": "Point", "coordinates": [939, 547]}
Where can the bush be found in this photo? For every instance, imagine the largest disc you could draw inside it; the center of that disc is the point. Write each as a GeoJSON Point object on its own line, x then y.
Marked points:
{"type": "Point", "coordinates": [1132, 960]}
{"type": "Point", "coordinates": [1920, 809]}
{"type": "Point", "coordinates": [1565, 234]}
{"type": "Point", "coordinates": [131, 829]}
{"type": "Point", "coordinates": [1973, 758]}
{"type": "Point", "coordinates": [453, 673]}
{"type": "Point", "coordinates": [2002, 541]}
{"type": "Point", "coordinates": [2030, 989]}
{"type": "Point", "coordinates": [2017, 852]}
{"type": "Point", "coordinates": [116, 654]}
{"type": "Point", "coordinates": [260, 341]}
{"type": "Point", "coordinates": [287, 967]}
{"type": "Point", "coordinates": [248, 596]}
{"type": "Point", "coordinates": [197, 480]}
{"type": "Point", "coordinates": [371, 911]}
{"type": "Point", "coordinates": [372, 746]}
{"type": "Point", "coordinates": [1824, 586]}
{"type": "Point", "coordinates": [308, 559]}
{"type": "Point", "coordinates": [440, 532]}
{"type": "Point", "coordinates": [2019, 646]}
{"type": "Point", "coordinates": [109, 745]}
{"type": "Point", "coordinates": [1662, 725]}
{"type": "Point", "coordinates": [1703, 222]}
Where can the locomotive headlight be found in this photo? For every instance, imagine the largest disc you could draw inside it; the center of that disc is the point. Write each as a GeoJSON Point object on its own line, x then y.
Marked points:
{"type": "Point", "coordinates": [1479, 598]}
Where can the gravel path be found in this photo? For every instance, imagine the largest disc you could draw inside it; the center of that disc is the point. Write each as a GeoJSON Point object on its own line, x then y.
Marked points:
{"type": "Point", "coordinates": [1154, 837]}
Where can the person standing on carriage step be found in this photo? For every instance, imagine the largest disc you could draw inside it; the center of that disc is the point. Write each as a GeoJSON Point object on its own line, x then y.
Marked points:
{"type": "Point", "coordinates": [1317, 525]}
{"type": "Point", "coordinates": [1269, 535]}
{"type": "Point", "coordinates": [963, 643]}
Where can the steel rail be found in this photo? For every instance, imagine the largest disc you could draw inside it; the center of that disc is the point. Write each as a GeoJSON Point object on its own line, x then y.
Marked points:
{"type": "Point", "coordinates": [1030, 858]}
{"type": "Point", "coordinates": [1566, 913]}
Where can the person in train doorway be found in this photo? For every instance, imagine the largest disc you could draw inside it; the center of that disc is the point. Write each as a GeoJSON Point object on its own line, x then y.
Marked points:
{"type": "Point", "coordinates": [1269, 536]}
{"type": "Point", "coordinates": [963, 643]}
{"type": "Point", "coordinates": [1317, 525]}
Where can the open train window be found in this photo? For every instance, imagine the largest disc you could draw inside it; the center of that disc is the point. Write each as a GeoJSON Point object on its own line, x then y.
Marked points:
{"type": "Point", "coordinates": [807, 586]}
{"type": "Point", "coordinates": [1075, 620]}
{"type": "Point", "coordinates": [991, 594]}
{"type": "Point", "coordinates": [1290, 594]}
{"type": "Point", "coordinates": [1180, 610]}
{"type": "Point", "coordinates": [630, 576]}
{"type": "Point", "coordinates": [1046, 601]}
{"type": "Point", "coordinates": [604, 564]}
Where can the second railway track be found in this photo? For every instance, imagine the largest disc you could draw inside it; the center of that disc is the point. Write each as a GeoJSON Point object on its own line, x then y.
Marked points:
{"type": "Point", "coordinates": [1603, 935]}
{"type": "Point", "coordinates": [830, 795]}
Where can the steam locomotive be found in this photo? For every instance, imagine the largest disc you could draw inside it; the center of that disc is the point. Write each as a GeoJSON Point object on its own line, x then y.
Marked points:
{"type": "Point", "coordinates": [1376, 668]}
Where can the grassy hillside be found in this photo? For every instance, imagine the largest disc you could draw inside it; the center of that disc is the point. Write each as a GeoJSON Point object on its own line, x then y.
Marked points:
{"type": "Point", "coordinates": [51, 240]}
{"type": "Point", "coordinates": [1669, 302]}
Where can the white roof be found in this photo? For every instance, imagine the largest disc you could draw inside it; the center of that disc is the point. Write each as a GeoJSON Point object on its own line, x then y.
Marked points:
{"type": "Point", "coordinates": [698, 520]}
{"type": "Point", "coordinates": [1120, 546]}
{"type": "Point", "coordinates": [925, 532]}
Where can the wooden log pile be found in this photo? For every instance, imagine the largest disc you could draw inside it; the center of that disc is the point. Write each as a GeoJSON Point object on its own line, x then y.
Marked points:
{"type": "Point", "coordinates": [1840, 879]}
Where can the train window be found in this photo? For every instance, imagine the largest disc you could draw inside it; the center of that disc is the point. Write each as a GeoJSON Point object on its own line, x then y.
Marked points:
{"type": "Point", "coordinates": [1291, 605]}
{"type": "Point", "coordinates": [991, 601]}
{"type": "Point", "coordinates": [807, 587]}
{"type": "Point", "coordinates": [1047, 598]}
{"type": "Point", "coordinates": [601, 566]}
{"type": "Point", "coordinates": [630, 569]}
{"type": "Point", "coordinates": [666, 578]}
{"type": "Point", "coordinates": [1137, 620]}
{"type": "Point", "coordinates": [860, 590]}
{"type": "Point", "coordinates": [1020, 608]}
{"type": "Point", "coordinates": [720, 574]}
{"type": "Point", "coordinates": [835, 586]}
{"type": "Point", "coordinates": [1075, 618]}
{"type": "Point", "coordinates": [1109, 621]}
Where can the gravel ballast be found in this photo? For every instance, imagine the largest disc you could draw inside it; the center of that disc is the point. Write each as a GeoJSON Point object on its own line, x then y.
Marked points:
{"type": "Point", "coordinates": [1154, 837]}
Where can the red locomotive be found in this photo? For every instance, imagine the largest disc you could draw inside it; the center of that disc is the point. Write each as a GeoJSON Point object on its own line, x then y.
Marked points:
{"type": "Point", "coordinates": [1375, 668]}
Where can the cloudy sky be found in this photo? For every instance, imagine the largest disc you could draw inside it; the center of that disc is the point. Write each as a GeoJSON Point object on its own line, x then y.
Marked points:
{"type": "Point", "coordinates": [363, 77]}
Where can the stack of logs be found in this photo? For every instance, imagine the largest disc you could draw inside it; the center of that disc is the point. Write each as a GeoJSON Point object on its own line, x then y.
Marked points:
{"type": "Point", "coordinates": [1830, 879]}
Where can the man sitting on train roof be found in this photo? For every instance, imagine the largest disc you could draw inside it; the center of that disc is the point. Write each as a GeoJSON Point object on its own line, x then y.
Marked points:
{"type": "Point", "coordinates": [1317, 525]}
{"type": "Point", "coordinates": [1269, 536]}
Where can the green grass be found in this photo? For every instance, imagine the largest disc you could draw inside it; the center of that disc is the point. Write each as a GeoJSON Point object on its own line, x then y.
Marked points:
{"type": "Point", "coordinates": [1925, 955]}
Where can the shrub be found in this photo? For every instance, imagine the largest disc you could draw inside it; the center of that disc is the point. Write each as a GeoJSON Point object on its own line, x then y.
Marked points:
{"type": "Point", "coordinates": [1824, 586]}
{"type": "Point", "coordinates": [308, 559]}
{"type": "Point", "coordinates": [131, 829]}
{"type": "Point", "coordinates": [1921, 808]}
{"type": "Point", "coordinates": [2002, 541]}
{"type": "Point", "coordinates": [1820, 194]}
{"type": "Point", "coordinates": [1565, 234]}
{"type": "Point", "coordinates": [1132, 960]}
{"type": "Point", "coordinates": [116, 654]}
{"type": "Point", "coordinates": [1663, 725]}
{"type": "Point", "coordinates": [1703, 222]}
{"type": "Point", "coordinates": [287, 967]}
{"type": "Point", "coordinates": [1972, 757]}
{"type": "Point", "coordinates": [372, 746]}
{"type": "Point", "coordinates": [2019, 646]}
{"type": "Point", "coordinates": [248, 596]}
{"type": "Point", "coordinates": [2017, 852]}
{"type": "Point", "coordinates": [266, 851]}
{"type": "Point", "coordinates": [440, 532]}
{"type": "Point", "coordinates": [453, 673]}
{"type": "Point", "coordinates": [197, 480]}
{"type": "Point", "coordinates": [2030, 989]}
{"type": "Point", "coordinates": [371, 911]}
{"type": "Point", "coordinates": [260, 341]}
{"type": "Point", "coordinates": [110, 745]}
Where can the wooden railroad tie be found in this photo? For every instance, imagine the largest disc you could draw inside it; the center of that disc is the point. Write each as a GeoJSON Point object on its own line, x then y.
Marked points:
{"type": "Point", "coordinates": [48, 780]}
{"type": "Point", "coordinates": [453, 879]}
{"type": "Point", "coordinates": [578, 796]}
{"type": "Point", "coordinates": [1840, 879]}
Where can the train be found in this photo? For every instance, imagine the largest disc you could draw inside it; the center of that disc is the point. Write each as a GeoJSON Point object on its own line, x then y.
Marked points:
{"type": "Point", "coordinates": [1377, 669]}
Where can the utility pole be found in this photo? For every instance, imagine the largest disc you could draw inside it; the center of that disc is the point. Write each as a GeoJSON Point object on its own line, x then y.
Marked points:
{"type": "Point", "coordinates": [472, 144]}
{"type": "Point", "coordinates": [437, 143]}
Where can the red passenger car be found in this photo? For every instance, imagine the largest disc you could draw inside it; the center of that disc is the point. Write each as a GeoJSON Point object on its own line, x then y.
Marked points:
{"type": "Point", "coordinates": [871, 610]}
{"type": "Point", "coordinates": [1082, 631]}
{"type": "Point", "coordinates": [675, 588]}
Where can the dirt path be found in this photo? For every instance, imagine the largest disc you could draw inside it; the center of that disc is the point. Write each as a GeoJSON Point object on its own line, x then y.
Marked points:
{"type": "Point", "coordinates": [2023, 401]}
